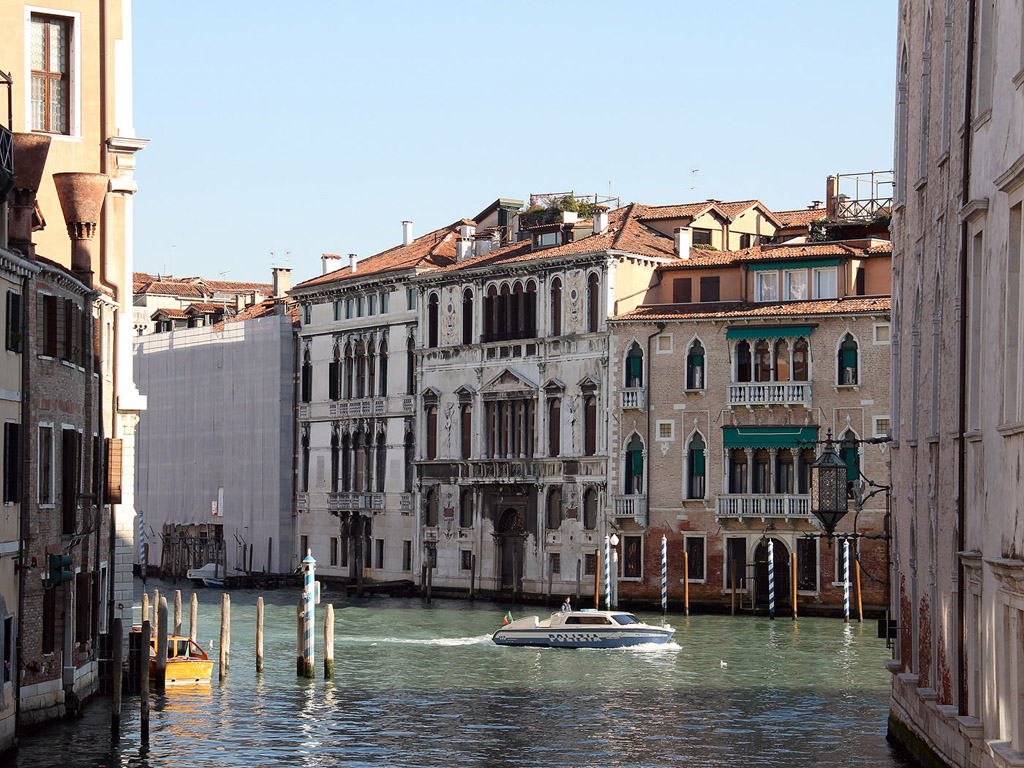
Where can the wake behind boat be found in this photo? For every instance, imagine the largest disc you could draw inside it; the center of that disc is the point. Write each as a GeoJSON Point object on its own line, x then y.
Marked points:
{"type": "Point", "coordinates": [587, 628]}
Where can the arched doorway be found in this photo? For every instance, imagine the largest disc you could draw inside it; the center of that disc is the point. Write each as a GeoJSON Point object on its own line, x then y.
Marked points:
{"type": "Point", "coordinates": [782, 582]}
{"type": "Point", "coordinates": [511, 538]}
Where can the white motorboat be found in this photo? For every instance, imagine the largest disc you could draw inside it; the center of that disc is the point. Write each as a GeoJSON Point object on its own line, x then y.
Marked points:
{"type": "Point", "coordinates": [587, 628]}
{"type": "Point", "coordinates": [212, 574]}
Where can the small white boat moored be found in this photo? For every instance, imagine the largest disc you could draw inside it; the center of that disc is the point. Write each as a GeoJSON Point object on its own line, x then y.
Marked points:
{"type": "Point", "coordinates": [587, 628]}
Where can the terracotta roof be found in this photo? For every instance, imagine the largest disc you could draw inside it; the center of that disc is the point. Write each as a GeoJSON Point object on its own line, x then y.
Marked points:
{"type": "Point", "coordinates": [655, 212]}
{"type": "Point", "coordinates": [737, 207]}
{"type": "Point", "coordinates": [143, 282]}
{"type": "Point", "coordinates": [625, 232]}
{"type": "Point", "coordinates": [735, 310]}
{"type": "Point", "coordinates": [167, 288]}
{"type": "Point", "coordinates": [231, 286]}
{"type": "Point", "coordinates": [206, 307]}
{"type": "Point", "coordinates": [432, 250]}
{"type": "Point", "coordinates": [174, 312]}
{"type": "Point", "coordinates": [800, 218]}
{"type": "Point", "coordinates": [702, 258]}
{"type": "Point", "coordinates": [264, 308]}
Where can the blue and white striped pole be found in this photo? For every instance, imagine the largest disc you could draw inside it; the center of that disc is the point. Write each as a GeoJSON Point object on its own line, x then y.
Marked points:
{"type": "Point", "coordinates": [846, 580]}
{"type": "Point", "coordinates": [664, 575]}
{"type": "Point", "coordinates": [308, 608]}
{"type": "Point", "coordinates": [771, 579]}
{"type": "Point", "coordinates": [142, 546]}
{"type": "Point", "coordinates": [607, 574]}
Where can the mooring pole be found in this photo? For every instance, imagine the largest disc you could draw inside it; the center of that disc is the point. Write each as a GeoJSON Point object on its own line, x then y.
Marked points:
{"type": "Point", "coordinates": [472, 577]}
{"type": "Point", "coordinates": [607, 574]}
{"type": "Point", "coordinates": [161, 645]}
{"type": "Point", "coordinates": [117, 647]}
{"type": "Point", "coordinates": [145, 607]}
{"type": "Point", "coordinates": [225, 635]}
{"type": "Point", "coordinates": [298, 638]}
{"type": "Point", "coordinates": [329, 643]}
{"type": "Point", "coordinates": [308, 613]}
{"type": "Point", "coordinates": [144, 680]}
{"type": "Point", "coordinates": [846, 580]}
{"type": "Point", "coordinates": [732, 592]}
{"type": "Point", "coordinates": [686, 582]}
{"type": "Point", "coordinates": [771, 579]}
{"type": "Point", "coordinates": [664, 576]}
{"type": "Point", "coordinates": [193, 618]}
{"type": "Point", "coordinates": [259, 634]}
{"type": "Point", "coordinates": [856, 584]}
{"type": "Point", "coordinates": [177, 612]}
{"type": "Point", "coordinates": [792, 580]}
{"type": "Point", "coordinates": [597, 578]}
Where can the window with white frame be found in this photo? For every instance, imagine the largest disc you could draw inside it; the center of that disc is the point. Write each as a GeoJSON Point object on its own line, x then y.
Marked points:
{"type": "Point", "coordinates": [54, 89]}
{"type": "Point", "coordinates": [882, 425]}
{"type": "Point", "coordinates": [666, 430]}
{"type": "Point", "coordinates": [825, 283]}
{"type": "Point", "coordinates": [695, 467]}
{"type": "Point", "coordinates": [881, 333]}
{"type": "Point", "coordinates": [795, 284]}
{"type": "Point", "coordinates": [695, 546]}
{"type": "Point", "coordinates": [766, 286]}
{"type": "Point", "coordinates": [848, 373]}
{"type": "Point", "coordinates": [337, 310]}
{"type": "Point", "coordinates": [664, 344]}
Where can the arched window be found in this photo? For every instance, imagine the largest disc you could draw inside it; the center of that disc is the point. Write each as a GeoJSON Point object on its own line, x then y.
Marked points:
{"type": "Point", "coordinates": [491, 314]}
{"type": "Point", "coordinates": [466, 430]}
{"type": "Point", "coordinates": [555, 508]}
{"type": "Point", "coordinates": [335, 460]}
{"type": "Point", "coordinates": [433, 327]}
{"type": "Point", "coordinates": [851, 457]}
{"type": "Point", "coordinates": [371, 371]}
{"type": "Point", "coordinates": [696, 467]}
{"type": "Point", "coordinates": [360, 370]}
{"type": "Point", "coordinates": [590, 509]}
{"type": "Point", "coordinates": [782, 360]}
{"type": "Point", "coordinates": [785, 472]}
{"type": "Point", "coordinates": [633, 468]}
{"type": "Point", "coordinates": [304, 480]}
{"type": "Point", "coordinates": [804, 460]}
{"type": "Point", "coordinates": [695, 366]}
{"type": "Point", "coordinates": [369, 478]}
{"type": "Point", "coordinates": [634, 366]}
{"type": "Point", "coordinates": [593, 303]}
{"type": "Point", "coordinates": [350, 367]}
{"type": "Point", "coordinates": [589, 425]}
{"type": "Point", "coordinates": [738, 471]}
{"type": "Point", "coordinates": [430, 509]}
{"type": "Point", "coordinates": [383, 358]}
{"type": "Point", "coordinates": [848, 367]}
{"type": "Point", "coordinates": [530, 311]}
{"type": "Point", "coordinates": [307, 378]}
{"type": "Point", "coordinates": [556, 307]}
{"type": "Point", "coordinates": [346, 463]}
{"type": "Point", "coordinates": [503, 327]}
{"type": "Point", "coordinates": [762, 361]}
{"type": "Point", "coordinates": [431, 447]}
{"type": "Point", "coordinates": [554, 426]}
{"type": "Point", "coordinates": [410, 367]}
{"type": "Point", "coordinates": [743, 361]}
{"type": "Point", "coordinates": [382, 454]}
{"type": "Point", "coordinates": [359, 461]}
{"type": "Point", "coordinates": [466, 509]}
{"type": "Point", "coordinates": [902, 95]}
{"type": "Point", "coordinates": [334, 376]}
{"type": "Point", "coordinates": [762, 477]}
{"type": "Point", "coordinates": [467, 316]}
{"type": "Point", "coordinates": [410, 457]}
{"type": "Point", "coordinates": [801, 356]}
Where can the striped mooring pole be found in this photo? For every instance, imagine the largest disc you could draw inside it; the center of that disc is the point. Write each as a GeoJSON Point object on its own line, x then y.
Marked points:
{"type": "Point", "coordinates": [142, 548]}
{"type": "Point", "coordinates": [308, 610]}
{"type": "Point", "coordinates": [846, 580]}
{"type": "Point", "coordinates": [664, 575]}
{"type": "Point", "coordinates": [607, 573]}
{"type": "Point", "coordinates": [771, 579]}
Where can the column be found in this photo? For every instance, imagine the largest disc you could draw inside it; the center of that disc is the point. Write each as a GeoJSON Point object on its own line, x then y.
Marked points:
{"type": "Point", "coordinates": [750, 469]}
{"type": "Point", "coordinates": [773, 480]}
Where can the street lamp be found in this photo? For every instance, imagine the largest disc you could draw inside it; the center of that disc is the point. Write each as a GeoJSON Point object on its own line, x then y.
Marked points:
{"type": "Point", "coordinates": [828, 488]}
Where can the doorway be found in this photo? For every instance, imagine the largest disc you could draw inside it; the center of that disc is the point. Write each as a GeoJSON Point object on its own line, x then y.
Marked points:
{"type": "Point", "coordinates": [783, 597]}
{"type": "Point", "coordinates": [512, 538]}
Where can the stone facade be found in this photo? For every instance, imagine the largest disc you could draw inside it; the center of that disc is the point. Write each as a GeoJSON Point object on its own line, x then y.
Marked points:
{"type": "Point", "coordinates": [957, 373]}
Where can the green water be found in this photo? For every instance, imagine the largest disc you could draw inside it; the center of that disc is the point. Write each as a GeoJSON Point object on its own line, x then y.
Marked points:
{"type": "Point", "coordinates": [419, 685]}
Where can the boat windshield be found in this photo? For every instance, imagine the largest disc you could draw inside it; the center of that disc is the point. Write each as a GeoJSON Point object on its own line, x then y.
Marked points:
{"type": "Point", "coordinates": [625, 618]}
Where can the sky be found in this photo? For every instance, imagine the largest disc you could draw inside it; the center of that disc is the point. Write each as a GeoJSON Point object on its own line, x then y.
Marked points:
{"type": "Point", "coordinates": [281, 132]}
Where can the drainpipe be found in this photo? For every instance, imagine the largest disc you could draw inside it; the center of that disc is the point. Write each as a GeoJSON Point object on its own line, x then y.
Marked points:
{"type": "Point", "coordinates": [965, 194]}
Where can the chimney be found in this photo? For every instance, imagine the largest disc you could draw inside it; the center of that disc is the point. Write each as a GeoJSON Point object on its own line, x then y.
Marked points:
{"type": "Point", "coordinates": [467, 228]}
{"type": "Point", "coordinates": [830, 197]}
{"type": "Point", "coordinates": [30, 150]}
{"type": "Point", "coordinates": [282, 281]}
{"type": "Point", "coordinates": [683, 240]}
{"type": "Point", "coordinates": [482, 243]}
{"type": "Point", "coordinates": [352, 262]}
{"type": "Point", "coordinates": [406, 232]}
{"type": "Point", "coordinates": [81, 198]}
{"type": "Point", "coordinates": [463, 248]}
{"type": "Point", "coordinates": [329, 261]}
{"type": "Point", "coordinates": [600, 219]}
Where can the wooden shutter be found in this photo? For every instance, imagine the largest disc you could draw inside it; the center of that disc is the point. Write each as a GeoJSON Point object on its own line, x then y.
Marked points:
{"type": "Point", "coordinates": [49, 326]}
{"type": "Point", "coordinates": [682, 290]}
{"type": "Point", "coordinates": [69, 476]}
{"type": "Point", "coordinates": [112, 494]}
{"type": "Point", "coordinates": [65, 324]}
{"type": "Point", "coordinates": [97, 339]}
{"type": "Point", "coordinates": [697, 462]}
{"type": "Point", "coordinates": [709, 289]}
{"type": "Point", "coordinates": [14, 338]}
{"type": "Point", "coordinates": [12, 462]}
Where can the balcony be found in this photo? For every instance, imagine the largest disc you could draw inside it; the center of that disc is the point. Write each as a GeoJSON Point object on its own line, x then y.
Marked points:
{"type": "Point", "coordinates": [6, 161]}
{"type": "Point", "coordinates": [762, 505]}
{"type": "Point", "coordinates": [785, 393]}
{"type": "Point", "coordinates": [503, 470]}
{"type": "Point", "coordinates": [634, 506]}
{"type": "Point", "coordinates": [632, 398]}
{"type": "Point", "coordinates": [344, 501]}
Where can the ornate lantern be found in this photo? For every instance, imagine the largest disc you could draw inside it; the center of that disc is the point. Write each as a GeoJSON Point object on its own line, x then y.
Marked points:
{"type": "Point", "coordinates": [828, 487]}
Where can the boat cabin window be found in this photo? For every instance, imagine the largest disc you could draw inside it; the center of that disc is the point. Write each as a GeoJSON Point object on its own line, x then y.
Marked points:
{"type": "Point", "coordinates": [625, 618]}
{"type": "Point", "coordinates": [588, 620]}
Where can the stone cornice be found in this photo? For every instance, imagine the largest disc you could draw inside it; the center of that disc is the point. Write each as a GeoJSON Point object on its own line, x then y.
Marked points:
{"type": "Point", "coordinates": [13, 263]}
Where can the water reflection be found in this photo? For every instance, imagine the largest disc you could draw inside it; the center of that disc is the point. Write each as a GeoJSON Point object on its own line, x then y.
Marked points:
{"type": "Point", "coordinates": [420, 686]}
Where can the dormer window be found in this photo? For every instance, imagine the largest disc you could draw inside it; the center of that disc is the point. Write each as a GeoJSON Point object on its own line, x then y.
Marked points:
{"type": "Point", "coordinates": [546, 239]}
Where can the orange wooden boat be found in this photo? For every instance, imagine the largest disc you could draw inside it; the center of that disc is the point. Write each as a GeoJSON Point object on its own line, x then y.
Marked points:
{"type": "Point", "coordinates": [186, 661]}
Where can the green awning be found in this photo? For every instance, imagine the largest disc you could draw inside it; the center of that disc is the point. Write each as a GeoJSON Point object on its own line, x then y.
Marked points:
{"type": "Point", "coordinates": [768, 437]}
{"type": "Point", "coordinates": [802, 264]}
{"type": "Point", "coordinates": [761, 332]}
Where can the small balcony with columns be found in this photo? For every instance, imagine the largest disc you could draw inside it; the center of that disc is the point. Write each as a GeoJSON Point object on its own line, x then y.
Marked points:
{"type": "Point", "coordinates": [771, 366]}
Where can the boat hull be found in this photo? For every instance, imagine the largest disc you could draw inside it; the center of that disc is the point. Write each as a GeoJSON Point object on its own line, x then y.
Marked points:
{"type": "Point", "coordinates": [583, 637]}
{"type": "Point", "coordinates": [184, 671]}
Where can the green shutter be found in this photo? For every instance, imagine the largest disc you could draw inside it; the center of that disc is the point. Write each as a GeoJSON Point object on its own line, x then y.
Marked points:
{"type": "Point", "coordinates": [635, 366]}
{"type": "Point", "coordinates": [849, 358]}
{"type": "Point", "coordinates": [697, 463]}
{"type": "Point", "coordinates": [850, 458]}
{"type": "Point", "coordinates": [698, 360]}
{"type": "Point", "coordinates": [637, 462]}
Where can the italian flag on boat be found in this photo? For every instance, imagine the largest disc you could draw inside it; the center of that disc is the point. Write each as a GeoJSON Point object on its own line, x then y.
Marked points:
{"type": "Point", "coordinates": [508, 618]}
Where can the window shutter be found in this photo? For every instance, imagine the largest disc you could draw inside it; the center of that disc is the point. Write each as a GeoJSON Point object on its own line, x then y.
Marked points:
{"type": "Point", "coordinates": [852, 470]}
{"type": "Point", "coordinates": [12, 462]}
{"type": "Point", "coordinates": [682, 291]}
{"type": "Point", "coordinates": [332, 383]}
{"type": "Point", "coordinates": [637, 463]}
{"type": "Point", "coordinates": [849, 358]}
{"type": "Point", "coordinates": [635, 367]}
{"type": "Point", "coordinates": [49, 325]}
{"type": "Point", "coordinates": [113, 490]}
{"type": "Point", "coordinates": [97, 339]}
{"type": "Point", "coordinates": [697, 359]}
{"type": "Point", "coordinates": [14, 342]}
{"type": "Point", "coordinates": [697, 463]}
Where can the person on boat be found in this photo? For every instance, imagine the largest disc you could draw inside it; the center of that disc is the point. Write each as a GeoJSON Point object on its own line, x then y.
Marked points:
{"type": "Point", "coordinates": [566, 606]}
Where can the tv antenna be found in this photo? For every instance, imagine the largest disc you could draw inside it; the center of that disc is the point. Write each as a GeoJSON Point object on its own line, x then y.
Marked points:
{"type": "Point", "coordinates": [693, 178]}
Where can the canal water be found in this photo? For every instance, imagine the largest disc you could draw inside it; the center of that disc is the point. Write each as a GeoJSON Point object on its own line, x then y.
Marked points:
{"type": "Point", "coordinates": [419, 685]}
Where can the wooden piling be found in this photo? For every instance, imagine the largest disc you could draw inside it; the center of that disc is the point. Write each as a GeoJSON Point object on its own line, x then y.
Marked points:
{"type": "Point", "coordinates": [423, 579]}
{"type": "Point", "coordinates": [329, 643]}
{"type": "Point", "coordinates": [161, 645]}
{"type": "Point", "coordinates": [792, 581]}
{"type": "Point", "coordinates": [259, 635]}
{"type": "Point", "coordinates": [193, 618]}
{"type": "Point", "coordinates": [856, 584]}
{"type": "Point", "coordinates": [117, 648]}
{"type": "Point", "coordinates": [597, 580]}
{"type": "Point", "coordinates": [732, 594]}
{"type": "Point", "coordinates": [472, 577]}
{"type": "Point", "coordinates": [154, 606]}
{"type": "Point", "coordinates": [144, 681]}
{"type": "Point", "coordinates": [430, 581]}
{"type": "Point", "coordinates": [225, 635]}
{"type": "Point", "coordinates": [177, 612]}
{"type": "Point", "coordinates": [145, 608]}
{"type": "Point", "coordinates": [686, 582]}
{"type": "Point", "coordinates": [300, 666]}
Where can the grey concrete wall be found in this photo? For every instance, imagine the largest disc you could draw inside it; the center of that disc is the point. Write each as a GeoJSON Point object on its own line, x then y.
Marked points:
{"type": "Point", "coordinates": [220, 413]}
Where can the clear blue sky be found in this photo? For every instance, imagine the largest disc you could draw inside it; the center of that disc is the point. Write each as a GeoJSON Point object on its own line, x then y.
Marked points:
{"type": "Point", "coordinates": [319, 126]}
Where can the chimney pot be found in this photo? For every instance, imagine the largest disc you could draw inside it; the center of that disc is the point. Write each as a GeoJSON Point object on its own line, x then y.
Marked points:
{"type": "Point", "coordinates": [406, 232]}
{"type": "Point", "coordinates": [600, 219]}
{"type": "Point", "coordinates": [352, 262]}
{"type": "Point", "coordinates": [30, 150]}
{"type": "Point", "coordinates": [683, 240]}
{"type": "Point", "coordinates": [282, 281]}
{"type": "Point", "coordinates": [81, 199]}
{"type": "Point", "coordinates": [463, 248]}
